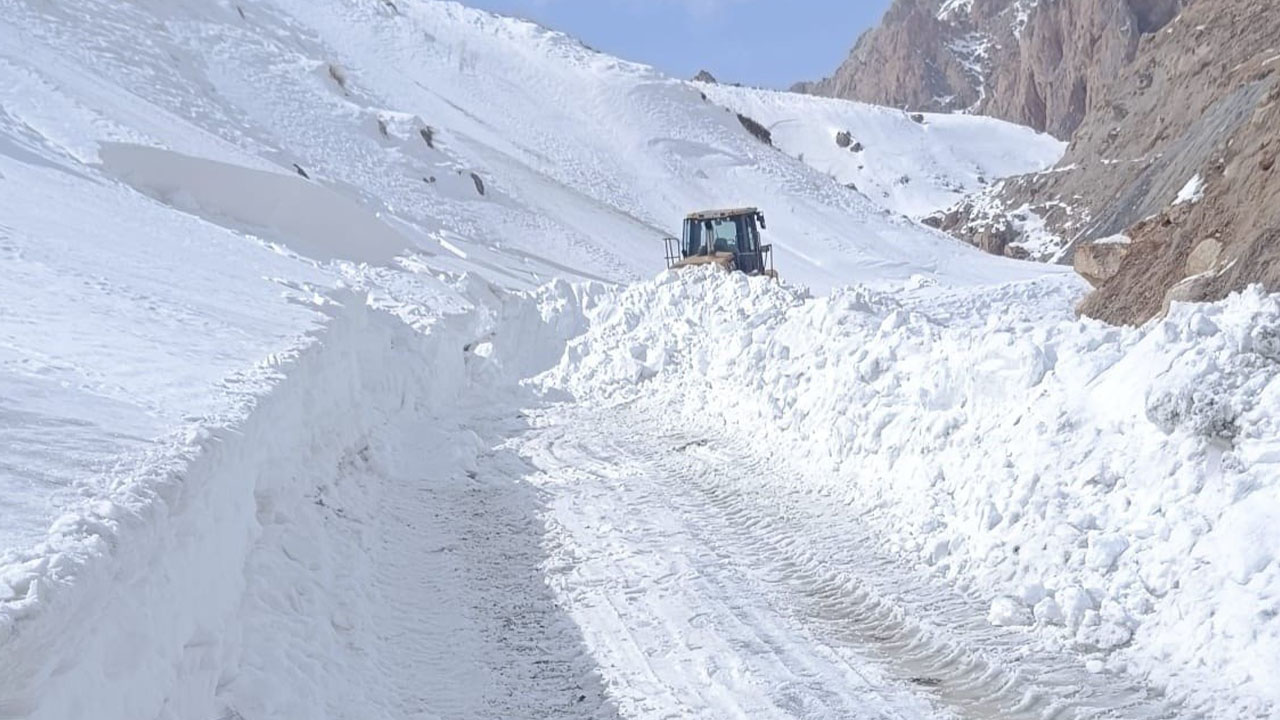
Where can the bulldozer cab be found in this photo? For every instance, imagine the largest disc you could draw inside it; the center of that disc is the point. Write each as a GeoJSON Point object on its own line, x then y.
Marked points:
{"type": "Point", "coordinates": [729, 238]}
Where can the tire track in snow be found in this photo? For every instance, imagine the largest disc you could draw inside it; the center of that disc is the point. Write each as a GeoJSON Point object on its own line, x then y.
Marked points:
{"type": "Point", "coordinates": [819, 621]}
{"type": "Point", "coordinates": [469, 628]}
{"type": "Point", "coordinates": [673, 639]}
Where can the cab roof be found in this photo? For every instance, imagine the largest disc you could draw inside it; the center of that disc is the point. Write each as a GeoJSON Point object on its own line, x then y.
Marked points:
{"type": "Point", "coordinates": [721, 214]}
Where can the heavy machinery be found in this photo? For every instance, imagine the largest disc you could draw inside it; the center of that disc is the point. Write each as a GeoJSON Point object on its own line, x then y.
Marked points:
{"type": "Point", "coordinates": [728, 238]}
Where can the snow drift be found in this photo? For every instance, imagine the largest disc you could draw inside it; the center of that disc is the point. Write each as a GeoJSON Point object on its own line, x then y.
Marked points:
{"type": "Point", "coordinates": [1114, 487]}
{"type": "Point", "coordinates": [313, 220]}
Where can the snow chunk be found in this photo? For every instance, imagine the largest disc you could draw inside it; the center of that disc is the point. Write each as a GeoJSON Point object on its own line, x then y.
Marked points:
{"type": "Point", "coordinates": [1192, 192]}
{"type": "Point", "coordinates": [1118, 239]}
{"type": "Point", "coordinates": [954, 7]}
{"type": "Point", "coordinates": [1049, 612]}
{"type": "Point", "coordinates": [1248, 536]}
{"type": "Point", "coordinates": [1009, 612]}
{"type": "Point", "coordinates": [1105, 550]}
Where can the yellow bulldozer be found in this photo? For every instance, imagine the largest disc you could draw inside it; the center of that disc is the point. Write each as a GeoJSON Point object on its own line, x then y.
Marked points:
{"type": "Point", "coordinates": [728, 238]}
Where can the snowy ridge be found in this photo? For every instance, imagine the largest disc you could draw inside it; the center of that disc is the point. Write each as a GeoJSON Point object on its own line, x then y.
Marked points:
{"type": "Point", "coordinates": [1114, 487]}
{"type": "Point", "coordinates": [910, 168]}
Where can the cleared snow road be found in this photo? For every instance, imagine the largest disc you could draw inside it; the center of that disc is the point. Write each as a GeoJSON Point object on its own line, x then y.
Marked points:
{"type": "Point", "coordinates": [705, 583]}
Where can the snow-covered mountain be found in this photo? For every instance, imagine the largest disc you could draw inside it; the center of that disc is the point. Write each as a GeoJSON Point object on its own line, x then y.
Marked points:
{"type": "Point", "coordinates": [241, 147]}
{"type": "Point", "coordinates": [912, 164]}
{"type": "Point", "coordinates": [580, 160]}
{"type": "Point", "coordinates": [323, 393]}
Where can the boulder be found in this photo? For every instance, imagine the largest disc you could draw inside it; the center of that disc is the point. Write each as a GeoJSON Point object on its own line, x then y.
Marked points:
{"type": "Point", "coordinates": [1098, 262]}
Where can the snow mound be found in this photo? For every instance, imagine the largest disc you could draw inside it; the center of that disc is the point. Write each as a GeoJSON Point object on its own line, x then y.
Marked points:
{"type": "Point", "coordinates": [1114, 486]}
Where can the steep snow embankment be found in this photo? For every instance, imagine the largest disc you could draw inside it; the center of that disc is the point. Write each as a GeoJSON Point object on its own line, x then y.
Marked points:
{"type": "Point", "coordinates": [486, 143]}
{"type": "Point", "coordinates": [912, 168]}
{"type": "Point", "coordinates": [1115, 488]}
{"type": "Point", "coordinates": [256, 566]}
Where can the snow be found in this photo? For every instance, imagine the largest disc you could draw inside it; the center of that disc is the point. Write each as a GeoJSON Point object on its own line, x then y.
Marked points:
{"type": "Point", "coordinates": [183, 238]}
{"type": "Point", "coordinates": [1192, 192]}
{"type": "Point", "coordinates": [974, 53]}
{"type": "Point", "coordinates": [1109, 469]}
{"type": "Point", "coordinates": [298, 422]}
{"type": "Point", "coordinates": [1035, 236]}
{"type": "Point", "coordinates": [318, 222]}
{"type": "Point", "coordinates": [1021, 11]}
{"type": "Point", "coordinates": [1009, 611]}
{"type": "Point", "coordinates": [951, 8]}
{"type": "Point", "coordinates": [906, 167]}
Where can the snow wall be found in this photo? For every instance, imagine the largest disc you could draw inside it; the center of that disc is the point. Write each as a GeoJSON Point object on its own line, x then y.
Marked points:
{"type": "Point", "coordinates": [215, 563]}
{"type": "Point", "coordinates": [1117, 489]}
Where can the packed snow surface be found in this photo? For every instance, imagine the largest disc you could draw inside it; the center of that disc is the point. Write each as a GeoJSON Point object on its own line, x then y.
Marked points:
{"type": "Point", "coordinates": [322, 395]}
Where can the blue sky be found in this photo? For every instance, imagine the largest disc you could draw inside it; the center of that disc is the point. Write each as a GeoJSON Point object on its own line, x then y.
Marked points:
{"type": "Point", "coordinates": [770, 43]}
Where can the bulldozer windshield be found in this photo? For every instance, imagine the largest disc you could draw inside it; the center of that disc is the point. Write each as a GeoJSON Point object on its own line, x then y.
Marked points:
{"type": "Point", "coordinates": [735, 235]}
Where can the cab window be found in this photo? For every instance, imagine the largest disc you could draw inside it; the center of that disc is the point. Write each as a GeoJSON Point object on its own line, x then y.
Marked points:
{"type": "Point", "coordinates": [693, 239]}
{"type": "Point", "coordinates": [725, 232]}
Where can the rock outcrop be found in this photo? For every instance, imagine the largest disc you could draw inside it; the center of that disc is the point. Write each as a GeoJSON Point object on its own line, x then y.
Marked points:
{"type": "Point", "coordinates": [1039, 63]}
{"type": "Point", "coordinates": [1198, 106]}
{"type": "Point", "coordinates": [1172, 107]}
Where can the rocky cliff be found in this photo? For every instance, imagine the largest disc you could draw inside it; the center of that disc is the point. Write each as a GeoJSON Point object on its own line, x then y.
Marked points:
{"type": "Point", "coordinates": [1040, 63]}
{"type": "Point", "coordinates": [1168, 190]}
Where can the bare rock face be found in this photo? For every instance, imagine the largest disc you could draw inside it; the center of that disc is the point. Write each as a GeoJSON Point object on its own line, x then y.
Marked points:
{"type": "Point", "coordinates": [1098, 262]}
{"type": "Point", "coordinates": [1172, 108]}
{"type": "Point", "coordinates": [910, 61]}
{"type": "Point", "coordinates": [1198, 105]}
{"type": "Point", "coordinates": [1035, 62]}
{"type": "Point", "coordinates": [705, 76]}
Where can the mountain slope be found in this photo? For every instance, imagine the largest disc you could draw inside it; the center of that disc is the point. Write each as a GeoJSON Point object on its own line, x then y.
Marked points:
{"type": "Point", "coordinates": [299, 417]}
{"type": "Point", "coordinates": [183, 181]}
{"type": "Point", "coordinates": [1177, 163]}
{"type": "Point", "coordinates": [913, 167]}
{"type": "Point", "coordinates": [585, 160]}
{"type": "Point", "coordinates": [1158, 97]}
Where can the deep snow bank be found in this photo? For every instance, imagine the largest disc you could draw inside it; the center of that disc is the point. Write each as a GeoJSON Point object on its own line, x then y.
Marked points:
{"type": "Point", "coordinates": [1117, 488]}
{"type": "Point", "coordinates": [206, 579]}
